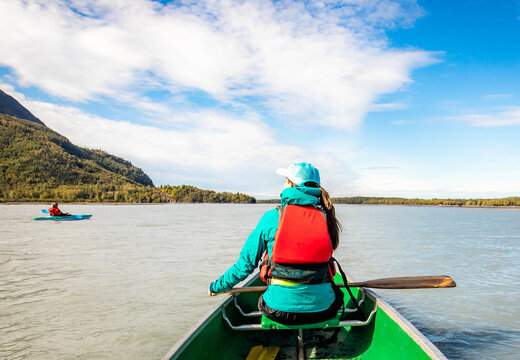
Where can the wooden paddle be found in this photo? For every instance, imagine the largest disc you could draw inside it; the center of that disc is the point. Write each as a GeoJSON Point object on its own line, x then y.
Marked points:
{"type": "Point", "coordinates": [408, 282]}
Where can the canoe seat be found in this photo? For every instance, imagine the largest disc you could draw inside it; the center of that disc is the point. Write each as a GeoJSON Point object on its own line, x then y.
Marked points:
{"type": "Point", "coordinates": [268, 324]}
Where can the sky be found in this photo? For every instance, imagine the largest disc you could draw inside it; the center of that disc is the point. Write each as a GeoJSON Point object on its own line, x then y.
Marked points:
{"type": "Point", "coordinates": [386, 98]}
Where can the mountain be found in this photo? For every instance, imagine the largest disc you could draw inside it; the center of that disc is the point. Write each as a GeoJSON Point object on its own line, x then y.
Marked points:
{"type": "Point", "coordinates": [35, 160]}
{"type": "Point", "coordinates": [37, 163]}
{"type": "Point", "coordinates": [9, 106]}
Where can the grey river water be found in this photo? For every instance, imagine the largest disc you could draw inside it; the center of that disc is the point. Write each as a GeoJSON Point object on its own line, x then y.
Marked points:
{"type": "Point", "coordinates": [132, 280]}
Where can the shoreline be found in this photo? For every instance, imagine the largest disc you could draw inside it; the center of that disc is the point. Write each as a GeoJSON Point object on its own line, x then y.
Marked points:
{"type": "Point", "coordinates": [75, 203]}
{"type": "Point", "coordinates": [513, 208]}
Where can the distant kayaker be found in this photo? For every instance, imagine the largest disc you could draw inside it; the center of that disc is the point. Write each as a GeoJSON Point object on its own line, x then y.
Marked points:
{"type": "Point", "coordinates": [54, 211]}
{"type": "Point", "coordinates": [295, 242]}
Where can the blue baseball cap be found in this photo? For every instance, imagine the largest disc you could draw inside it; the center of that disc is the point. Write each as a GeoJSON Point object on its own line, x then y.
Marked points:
{"type": "Point", "coordinates": [300, 173]}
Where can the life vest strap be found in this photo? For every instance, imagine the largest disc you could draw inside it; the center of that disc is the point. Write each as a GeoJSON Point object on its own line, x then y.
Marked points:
{"type": "Point", "coordinates": [282, 282]}
{"type": "Point", "coordinates": [302, 274]}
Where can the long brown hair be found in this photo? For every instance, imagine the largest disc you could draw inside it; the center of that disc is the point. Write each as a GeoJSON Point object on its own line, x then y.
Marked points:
{"type": "Point", "coordinates": [333, 224]}
{"type": "Point", "coordinates": [332, 221]}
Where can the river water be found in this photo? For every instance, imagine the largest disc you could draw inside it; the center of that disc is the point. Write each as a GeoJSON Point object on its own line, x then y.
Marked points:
{"type": "Point", "coordinates": [132, 280]}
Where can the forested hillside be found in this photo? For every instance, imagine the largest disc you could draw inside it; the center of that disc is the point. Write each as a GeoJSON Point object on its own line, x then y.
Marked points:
{"type": "Point", "coordinates": [37, 163]}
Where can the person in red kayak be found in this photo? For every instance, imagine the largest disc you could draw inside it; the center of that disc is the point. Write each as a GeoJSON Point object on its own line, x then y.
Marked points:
{"type": "Point", "coordinates": [54, 211]}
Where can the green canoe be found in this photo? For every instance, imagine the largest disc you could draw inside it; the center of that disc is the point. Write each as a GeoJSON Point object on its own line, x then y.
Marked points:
{"type": "Point", "coordinates": [234, 329]}
{"type": "Point", "coordinates": [64, 218]}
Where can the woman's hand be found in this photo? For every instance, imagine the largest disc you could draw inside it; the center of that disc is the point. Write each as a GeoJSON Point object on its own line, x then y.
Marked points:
{"type": "Point", "coordinates": [210, 293]}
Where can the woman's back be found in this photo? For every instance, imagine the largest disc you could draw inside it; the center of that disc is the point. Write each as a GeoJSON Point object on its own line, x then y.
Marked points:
{"type": "Point", "coordinates": [302, 240]}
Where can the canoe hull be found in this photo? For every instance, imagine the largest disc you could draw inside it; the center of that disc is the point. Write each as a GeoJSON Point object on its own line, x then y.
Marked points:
{"type": "Point", "coordinates": [64, 218]}
{"type": "Point", "coordinates": [388, 336]}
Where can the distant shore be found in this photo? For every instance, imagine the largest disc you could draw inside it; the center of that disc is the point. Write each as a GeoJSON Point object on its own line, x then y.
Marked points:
{"type": "Point", "coordinates": [77, 203]}
{"type": "Point", "coordinates": [44, 204]}
{"type": "Point", "coordinates": [501, 207]}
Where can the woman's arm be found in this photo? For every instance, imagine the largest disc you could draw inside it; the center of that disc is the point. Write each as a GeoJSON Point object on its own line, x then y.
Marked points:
{"type": "Point", "coordinates": [250, 254]}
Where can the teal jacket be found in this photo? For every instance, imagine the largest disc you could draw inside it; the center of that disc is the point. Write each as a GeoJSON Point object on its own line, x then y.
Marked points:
{"type": "Point", "coordinates": [299, 298]}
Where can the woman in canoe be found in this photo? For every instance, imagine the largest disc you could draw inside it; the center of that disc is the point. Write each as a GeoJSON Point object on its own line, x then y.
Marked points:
{"type": "Point", "coordinates": [55, 211]}
{"type": "Point", "coordinates": [295, 242]}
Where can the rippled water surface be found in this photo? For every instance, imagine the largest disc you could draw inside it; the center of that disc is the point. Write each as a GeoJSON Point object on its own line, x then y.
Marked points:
{"type": "Point", "coordinates": [132, 280]}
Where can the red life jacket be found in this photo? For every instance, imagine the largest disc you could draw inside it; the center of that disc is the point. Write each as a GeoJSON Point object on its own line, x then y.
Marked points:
{"type": "Point", "coordinates": [55, 212]}
{"type": "Point", "coordinates": [302, 248]}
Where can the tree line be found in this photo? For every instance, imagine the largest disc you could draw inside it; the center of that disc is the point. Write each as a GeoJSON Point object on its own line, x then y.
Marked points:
{"type": "Point", "coordinates": [509, 201]}
{"type": "Point", "coordinates": [368, 200]}
{"type": "Point", "coordinates": [192, 194]}
{"type": "Point", "coordinates": [127, 193]}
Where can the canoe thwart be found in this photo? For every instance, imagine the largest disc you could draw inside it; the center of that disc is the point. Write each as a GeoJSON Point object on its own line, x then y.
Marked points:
{"type": "Point", "coordinates": [242, 312]}
{"type": "Point", "coordinates": [268, 324]}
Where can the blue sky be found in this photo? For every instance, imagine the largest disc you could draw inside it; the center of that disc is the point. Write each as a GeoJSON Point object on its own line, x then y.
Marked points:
{"type": "Point", "coordinates": [386, 98]}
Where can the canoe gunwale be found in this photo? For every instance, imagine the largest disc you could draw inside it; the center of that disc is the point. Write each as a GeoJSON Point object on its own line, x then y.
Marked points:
{"type": "Point", "coordinates": [407, 326]}
{"type": "Point", "coordinates": [199, 326]}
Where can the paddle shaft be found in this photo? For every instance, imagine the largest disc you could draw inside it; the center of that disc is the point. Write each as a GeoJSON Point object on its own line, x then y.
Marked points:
{"type": "Point", "coordinates": [409, 282]}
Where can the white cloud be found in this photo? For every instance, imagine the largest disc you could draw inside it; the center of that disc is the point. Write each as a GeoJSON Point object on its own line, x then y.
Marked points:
{"type": "Point", "coordinates": [318, 62]}
{"type": "Point", "coordinates": [388, 107]}
{"type": "Point", "coordinates": [402, 183]}
{"type": "Point", "coordinates": [324, 62]}
{"type": "Point", "coordinates": [216, 143]}
{"type": "Point", "coordinates": [509, 117]}
{"type": "Point", "coordinates": [210, 149]}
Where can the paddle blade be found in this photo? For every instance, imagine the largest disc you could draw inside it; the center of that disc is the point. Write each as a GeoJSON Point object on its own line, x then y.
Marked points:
{"type": "Point", "coordinates": [409, 282]}
{"type": "Point", "coordinates": [45, 211]}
